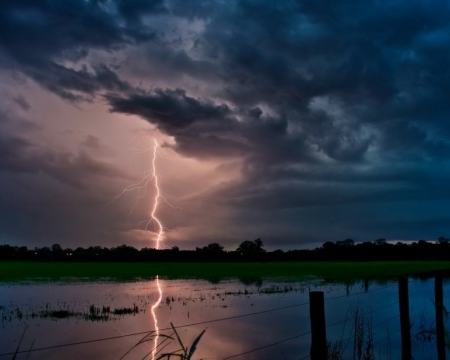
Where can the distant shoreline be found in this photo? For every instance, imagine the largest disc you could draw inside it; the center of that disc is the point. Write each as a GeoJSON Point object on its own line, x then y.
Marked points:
{"type": "Point", "coordinates": [248, 251]}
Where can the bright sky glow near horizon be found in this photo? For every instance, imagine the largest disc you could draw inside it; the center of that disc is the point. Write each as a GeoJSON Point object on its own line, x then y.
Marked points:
{"type": "Point", "coordinates": [297, 122]}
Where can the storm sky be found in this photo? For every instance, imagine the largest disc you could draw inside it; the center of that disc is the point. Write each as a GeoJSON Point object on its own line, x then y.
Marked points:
{"type": "Point", "coordinates": [296, 122]}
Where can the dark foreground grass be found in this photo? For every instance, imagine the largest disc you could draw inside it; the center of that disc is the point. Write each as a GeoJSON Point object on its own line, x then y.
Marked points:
{"type": "Point", "coordinates": [247, 272]}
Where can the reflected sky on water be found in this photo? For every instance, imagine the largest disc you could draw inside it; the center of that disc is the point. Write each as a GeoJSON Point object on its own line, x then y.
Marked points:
{"type": "Point", "coordinates": [282, 312]}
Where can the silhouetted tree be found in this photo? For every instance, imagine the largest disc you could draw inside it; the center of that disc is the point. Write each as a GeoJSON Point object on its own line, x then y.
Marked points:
{"type": "Point", "coordinates": [57, 249]}
{"type": "Point", "coordinates": [328, 245]}
{"type": "Point", "coordinates": [44, 253]}
{"type": "Point", "coordinates": [124, 251]}
{"type": "Point", "coordinates": [251, 248]}
{"type": "Point", "coordinates": [345, 243]}
{"type": "Point", "coordinates": [443, 240]}
{"type": "Point", "coordinates": [213, 248]}
{"type": "Point", "coordinates": [381, 241]}
{"type": "Point", "coordinates": [210, 252]}
{"type": "Point", "coordinates": [347, 249]}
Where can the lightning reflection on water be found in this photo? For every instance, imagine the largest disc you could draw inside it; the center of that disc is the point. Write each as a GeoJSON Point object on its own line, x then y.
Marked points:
{"type": "Point", "coordinates": [155, 318]}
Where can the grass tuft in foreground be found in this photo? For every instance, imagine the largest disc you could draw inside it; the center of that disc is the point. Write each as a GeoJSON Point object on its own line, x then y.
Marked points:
{"type": "Point", "coordinates": [182, 353]}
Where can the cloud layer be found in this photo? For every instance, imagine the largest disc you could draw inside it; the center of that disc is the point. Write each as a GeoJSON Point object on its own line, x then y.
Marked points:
{"type": "Point", "coordinates": [319, 106]}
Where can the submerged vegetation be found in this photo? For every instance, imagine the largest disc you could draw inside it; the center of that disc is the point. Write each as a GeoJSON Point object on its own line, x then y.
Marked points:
{"type": "Point", "coordinates": [92, 313]}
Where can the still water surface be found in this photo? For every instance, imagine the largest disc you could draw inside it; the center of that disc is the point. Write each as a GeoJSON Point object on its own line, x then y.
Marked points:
{"type": "Point", "coordinates": [237, 317]}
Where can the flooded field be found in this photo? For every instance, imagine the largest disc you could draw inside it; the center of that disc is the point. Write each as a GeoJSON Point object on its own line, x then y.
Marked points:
{"type": "Point", "coordinates": [268, 319]}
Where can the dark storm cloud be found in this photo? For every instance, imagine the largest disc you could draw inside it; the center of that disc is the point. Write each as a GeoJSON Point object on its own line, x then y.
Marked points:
{"type": "Point", "coordinates": [91, 142]}
{"type": "Point", "coordinates": [21, 102]}
{"type": "Point", "coordinates": [323, 86]}
{"type": "Point", "coordinates": [39, 212]}
{"type": "Point", "coordinates": [38, 37]}
{"type": "Point", "coordinates": [12, 151]}
{"type": "Point", "coordinates": [201, 128]}
{"type": "Point", "coordinates": [134, 10]}
{"type": "Point", "coordinates": [75, 85]}
{"type": "Point", "coordinates": [367, 53]}
{"type": "Point", "coordinates": [325, 103]}
{"type": "Point", "coordinates": [283, 52]}
{"type": "Point", "coordinates": [10, 123]}
{"type": "Point", "coordinates": [50, 196]}
{"type": "Point", "coordinates": [19, 155]}
{"type": "Point", "coordinates": [334, 187]}
{"type": "Point", "coordinates": [386, 58]}
{"type": "Point", "coordinates": [170, 109]}
{"type": "Point", "coordinates": [77, 170]}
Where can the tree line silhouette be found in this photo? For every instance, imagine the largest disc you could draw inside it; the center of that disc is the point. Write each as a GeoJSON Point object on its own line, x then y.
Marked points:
{"type": "Point", "coordinates": [344, 250]}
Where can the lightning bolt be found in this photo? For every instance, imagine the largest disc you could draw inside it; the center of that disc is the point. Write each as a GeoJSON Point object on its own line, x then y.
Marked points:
{"type": "Point", "coordinates": [160, 228]}
{"type": "Point", "coordinates": [140, 187]}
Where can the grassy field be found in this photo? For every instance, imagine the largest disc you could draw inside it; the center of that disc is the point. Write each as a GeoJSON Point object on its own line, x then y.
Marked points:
{"type": "Point", "coordinates": [246, 272]}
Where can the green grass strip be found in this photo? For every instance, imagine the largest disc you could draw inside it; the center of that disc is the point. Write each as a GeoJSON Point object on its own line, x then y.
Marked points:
{"type": "Point", "coordinates": [331, 271]}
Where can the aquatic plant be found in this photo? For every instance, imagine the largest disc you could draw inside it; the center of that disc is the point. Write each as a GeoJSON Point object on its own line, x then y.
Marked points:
{"type": "Point", "coordinates": [427, 333]}
{"type": "Point", "coordinates": [335, 350]}
{"type": "Point", "coordinates": [183, 353]}
{"type": "Point", "coordinates": [93, 313]}
{"type": "Point", "coordinates": [363, 345]}
{"type": "Point", "coordinates": [20, 342]}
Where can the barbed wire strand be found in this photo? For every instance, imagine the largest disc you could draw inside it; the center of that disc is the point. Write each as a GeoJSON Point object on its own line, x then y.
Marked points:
{"type": "Point", "coordinates": [267, 345]}
{"type": "Point", "coordinates": [353, 316]}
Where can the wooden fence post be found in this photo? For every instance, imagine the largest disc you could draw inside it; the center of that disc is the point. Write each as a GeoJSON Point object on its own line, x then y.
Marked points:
{"type": "Point", "coordinates": [439, 304]}
{"type": "Point", "coordinates": [319, 350]}
{"type": "Point", "coordinates": [405, 323]}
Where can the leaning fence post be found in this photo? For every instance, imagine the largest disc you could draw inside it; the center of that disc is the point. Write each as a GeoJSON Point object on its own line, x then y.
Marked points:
{"type": "Point", "coordinates": [439, 304]}
{"type": "Point", "coordinates": [405, 323]}
{"type": "Point", "coordinates": [319, 349]}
